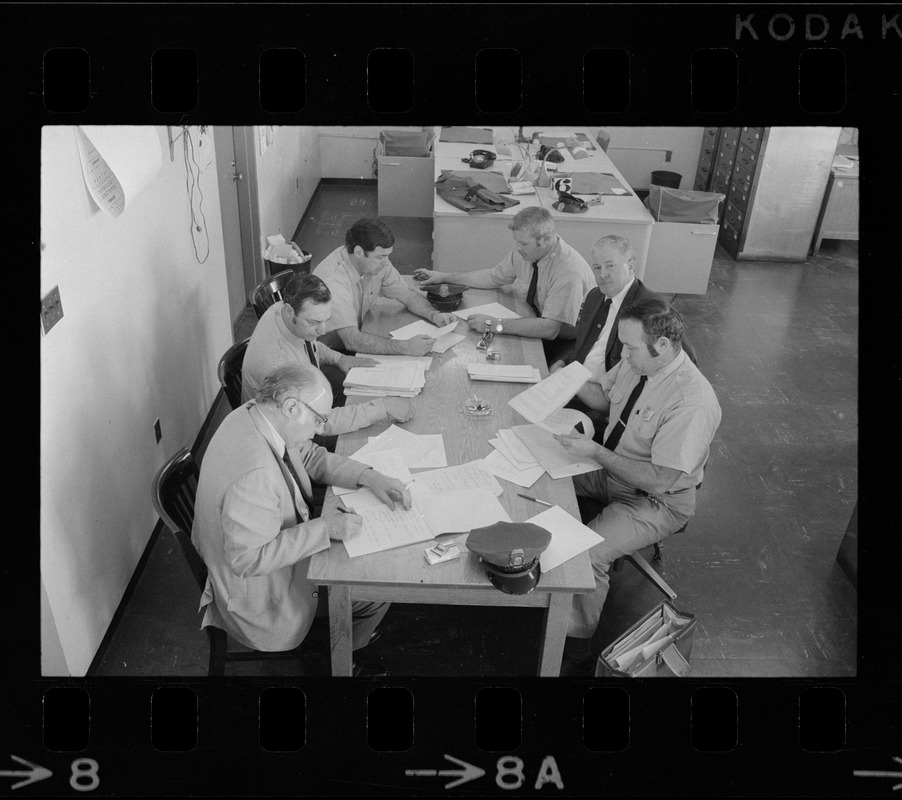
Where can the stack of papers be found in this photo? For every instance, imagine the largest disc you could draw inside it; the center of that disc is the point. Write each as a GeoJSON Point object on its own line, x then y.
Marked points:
{"type": "Point", "coordinates": [424, 361]}
{"type": "Point", "coordinates": [494, 310]}
{"type": "Point", "coordinates": [557, 462]}
{"type": "Point", "coordinates": [399, 379]}
{"type": "Point", "coordinates": [426, 451]}
{"type": "Point", "coordinates": [512, 461]}
{"type": "Point", "coordinates": [510, 373]}
{"type": "Point", "coordinates": [444, 338]}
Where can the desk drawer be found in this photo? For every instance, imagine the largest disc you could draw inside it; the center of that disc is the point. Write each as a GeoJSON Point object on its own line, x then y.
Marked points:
{"type": "Point", "coordinates": [702, 176]}
{"type": "Point", "coordinates": [750, 138]}
{"type": "Point", "coordinates": [733, 216]}
{"type": "Point", "coordinates": [739, 194]}
{"type": "Point", "coordinates": [720, 181]}
{"type": "Point", "coordinates": [725, 162]}
{"type": "Point", "coordinates": [706, 157]}
{"type": "Point", "coordinates": [747, 158]}
{"type": "Point", "coordinates": [730, 137]}
{"type": "Point", "coordinates": [742, 178]}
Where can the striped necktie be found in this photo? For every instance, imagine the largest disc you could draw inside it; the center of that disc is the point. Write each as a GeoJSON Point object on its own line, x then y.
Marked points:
{"type": "Point", "coordinates": [620, 427]}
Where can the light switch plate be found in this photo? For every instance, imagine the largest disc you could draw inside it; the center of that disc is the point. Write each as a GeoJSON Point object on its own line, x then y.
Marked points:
{"type": "Point", "coordinates": [51, 309]}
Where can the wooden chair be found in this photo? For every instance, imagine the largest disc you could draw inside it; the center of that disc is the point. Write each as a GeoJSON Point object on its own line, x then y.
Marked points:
{"type": "Point", "coordinates": [270, 291]}
{"type": "Point", "coordinates": [174, 493]}
{"type": "Point", "coordinates": [229, 372]}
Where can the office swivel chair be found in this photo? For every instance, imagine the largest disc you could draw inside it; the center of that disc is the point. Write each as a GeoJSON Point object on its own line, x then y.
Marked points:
{"type": "Point", "coordinates": [174, 493]}
{"type": "Point", "coordinates": [229, 372]}
{"type": "Point", "coordinates": [265, 294]}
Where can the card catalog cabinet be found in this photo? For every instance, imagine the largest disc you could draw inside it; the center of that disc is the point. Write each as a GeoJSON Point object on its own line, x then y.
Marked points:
{"type": "Point", "coordinates": [774, 180]}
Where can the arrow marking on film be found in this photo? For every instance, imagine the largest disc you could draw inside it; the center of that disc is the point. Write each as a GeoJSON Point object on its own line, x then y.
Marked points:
{"type": "Point", "coordinates": [869, 773]}
{"type": "Point", "coordinates": [32, 775]}
{"type": "Point", "coordinates": [468, 773]}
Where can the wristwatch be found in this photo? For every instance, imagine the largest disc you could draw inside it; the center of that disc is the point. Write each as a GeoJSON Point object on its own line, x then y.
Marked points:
{"type": "Point", "coordinates": [492, 327]}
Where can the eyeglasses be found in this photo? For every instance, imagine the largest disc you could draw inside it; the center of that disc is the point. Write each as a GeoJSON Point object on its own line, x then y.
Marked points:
{"type": "Point", "coordinates": [320, 419]}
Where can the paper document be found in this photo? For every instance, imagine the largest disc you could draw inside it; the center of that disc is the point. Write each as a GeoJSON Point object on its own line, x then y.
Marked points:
{"type": "Point", "coordinates": [446, 342]}
{"type": "Point", "coordinates": [508, 373]}
{"type": "Point", "coordinates": [424, 361]}
{"type": "Point", "coordinates": [404, 379]}
{"type": "Point", "coordinates": [546, 397]}
{"type": "Point", "coordinates": [569, 537]}
{"type": "Point", "coordinates": [551, 455]}
{"type": "Point", "coordinates": [564, 420]}
{"type": "Point", "coordinates": [419, 452]}
{"type": "Point", "coordinates": [388, 462]}
{"type": "Point", "coordinates": [498, 465]}
{"type": "Point", "coordinates": [465, 476]}
{"type": "Point", "coordinates": [422, 327]}
{"type": "Point", "coordinates": [429, 515]}
{"type": "Point", "coordinates": [514, 448]}
{"type": "Point", "coordinates": [494, 310]}
{"type": "Point", "coordinates": [359, 498]}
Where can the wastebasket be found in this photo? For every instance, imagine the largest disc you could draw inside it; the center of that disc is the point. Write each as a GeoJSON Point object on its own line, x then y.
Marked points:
{"type": "Point", "coordinates": [663, 178]}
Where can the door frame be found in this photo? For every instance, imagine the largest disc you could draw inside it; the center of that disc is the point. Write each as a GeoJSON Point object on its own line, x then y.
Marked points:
{"type": "Point", "coordinates": [248, 206]}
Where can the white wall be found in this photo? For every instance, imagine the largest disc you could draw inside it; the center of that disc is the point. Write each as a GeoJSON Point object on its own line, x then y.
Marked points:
{"type": "Point", "coordinates": [144, 327]}
{"type": "Point", "coordinates": [638, 164]}
{"type": "Point", "coordinates": [347, 152]}
{"type": "Point", "coordinates": [287, 175]}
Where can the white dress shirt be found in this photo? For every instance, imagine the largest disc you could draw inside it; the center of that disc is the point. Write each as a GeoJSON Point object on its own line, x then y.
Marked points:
{"type": "Point", "coordinates": [595, 359]}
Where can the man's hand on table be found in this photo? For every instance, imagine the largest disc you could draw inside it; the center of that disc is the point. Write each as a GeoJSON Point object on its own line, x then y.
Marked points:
{"type": "Point", "coordinates": [345, 363]}
{"type": "Point", "coordinates": [476, 322]}
{"type": "Point", "coordinates": [441, 318]}
{"type": "Point", "coordinates": [419, 345]}
{"type": "Point", "coordinates": [341, 525]}
{"type": "Point", "coordinates": [398, 409]}
{"type": "Point", "coordinates": [428, 276]}
{"type": "Point", "coordinates": [388, 490]}
{"type": "Point", "coordinates": [578, 445]}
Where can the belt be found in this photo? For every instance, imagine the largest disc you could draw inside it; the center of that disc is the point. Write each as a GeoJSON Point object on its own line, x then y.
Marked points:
{"type": "Point", "coordinates": [649, 494]}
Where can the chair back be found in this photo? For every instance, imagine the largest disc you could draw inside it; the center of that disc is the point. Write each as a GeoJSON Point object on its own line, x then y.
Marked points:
{"type": "Point", "coordinates": [229, 372]}
{"type": "Point", "coordinates": [603, 139]}
{"type": "Point", "coordinates": [174, 492]}
{"type": "Point", "coordinates": [270, 291]}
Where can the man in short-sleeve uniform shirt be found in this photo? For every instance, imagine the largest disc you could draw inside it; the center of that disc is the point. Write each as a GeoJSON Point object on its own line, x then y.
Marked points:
{"type": "Point", "coordinates": [652, 465]}
{"type": "Point", "coordinates": [552, 276]}
{"type": "Point", "coordinates": [357, 274]}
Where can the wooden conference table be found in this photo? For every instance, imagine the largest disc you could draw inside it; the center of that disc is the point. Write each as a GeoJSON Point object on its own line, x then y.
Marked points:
{"type": "Point", "coordinates": [464, 242]}
{"type": "Point", "coordinates": [402, 575]}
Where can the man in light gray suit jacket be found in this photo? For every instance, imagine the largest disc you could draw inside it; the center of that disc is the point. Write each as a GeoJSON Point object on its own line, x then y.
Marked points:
{"type": "Point", "coordinates": [252, 524]}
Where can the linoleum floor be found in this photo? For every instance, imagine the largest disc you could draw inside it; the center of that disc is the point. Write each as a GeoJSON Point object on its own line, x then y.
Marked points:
{"type": "Point", "coordinates": [757, 564]}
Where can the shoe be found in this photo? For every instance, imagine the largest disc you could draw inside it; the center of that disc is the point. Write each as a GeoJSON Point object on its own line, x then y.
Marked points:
{"type": "Point", "coordinates": [369, 669]}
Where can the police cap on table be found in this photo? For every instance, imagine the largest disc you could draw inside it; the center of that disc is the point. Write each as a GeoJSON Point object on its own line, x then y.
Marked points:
{"type": "Point", "coordinates": [510, 553]}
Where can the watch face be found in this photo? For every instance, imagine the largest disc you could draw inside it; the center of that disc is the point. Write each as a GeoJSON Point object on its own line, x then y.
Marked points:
{"type": "Point", "coordinates": [499, 327]}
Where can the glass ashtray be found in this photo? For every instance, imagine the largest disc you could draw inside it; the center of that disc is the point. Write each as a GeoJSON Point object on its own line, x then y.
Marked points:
{"type": "Point", "coordinates": [476, 407]}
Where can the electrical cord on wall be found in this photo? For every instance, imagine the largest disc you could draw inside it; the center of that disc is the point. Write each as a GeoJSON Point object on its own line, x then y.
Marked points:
{"type": "Point", "coordinates": [193, 189]}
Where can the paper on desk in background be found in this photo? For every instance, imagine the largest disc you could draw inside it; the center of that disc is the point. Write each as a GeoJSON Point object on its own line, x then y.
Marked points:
{"type": "Point", "coordinates": [418, 451]}
{"type": "Point", "coordinates": [446, 342]}
{"type": "Point", "coordinates": [424, 361]}
{"type": "Point", "coordinates": [422, 328]}
{"type": "Point", "coordinates": [569, 537]}
{"type": "Point", "coordinates": [564, 420]}
{"type": "Point", "coordinates": [462, 510]}
{"type": "Point", "coordinates": [494, 310]}
{"type": "Point", "coordinates": [551, 455]}
{"type": "Point", "coordinates": [507, 373]}
{"type": "Point", "coordinates": [551, 394]}
{"type": "Point", "coordinates": [496, 463]}
{"type": "Point", "coordinates": [464, 476]}
{"type": "Point", "coordinates": [504, 450]}
{"type": "Point", "coordinates": [388, 462]}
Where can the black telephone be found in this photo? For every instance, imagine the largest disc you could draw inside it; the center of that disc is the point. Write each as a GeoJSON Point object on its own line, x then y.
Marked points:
{"type": "Point", "coordinates": [565, 198]}
{"type": "Point", "coordinates": [480, 159]}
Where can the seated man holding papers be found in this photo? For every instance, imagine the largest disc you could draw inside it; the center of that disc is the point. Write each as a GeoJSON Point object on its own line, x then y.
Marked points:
{"type": "Point", "coordinates": [553, 276]}
{"type": "Point", "coordinates": [663, 416]}
{"type": "Point", "coordinates": [287, 333]}
{"type": "Point", "coordinates": [357, 274]}
{"type": "Point", "coordinates": [252, 524]}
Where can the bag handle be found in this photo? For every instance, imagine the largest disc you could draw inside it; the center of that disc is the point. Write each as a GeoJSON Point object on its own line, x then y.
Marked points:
{"type": "Point", "coordinates": [675, 662]}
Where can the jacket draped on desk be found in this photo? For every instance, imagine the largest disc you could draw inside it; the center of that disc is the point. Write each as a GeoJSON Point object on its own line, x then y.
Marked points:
{"type": "Point", "coordinates": [246, 530]}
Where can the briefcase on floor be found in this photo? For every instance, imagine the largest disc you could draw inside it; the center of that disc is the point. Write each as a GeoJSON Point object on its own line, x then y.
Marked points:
{"type": "Point", "coordinates": [657, 646]}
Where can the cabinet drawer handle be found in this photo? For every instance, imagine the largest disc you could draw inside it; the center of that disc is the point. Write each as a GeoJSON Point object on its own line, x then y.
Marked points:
{"type": "Point", "coordinates": [391, 163]}
{"type": "Point", "coordinates": [705, 233]}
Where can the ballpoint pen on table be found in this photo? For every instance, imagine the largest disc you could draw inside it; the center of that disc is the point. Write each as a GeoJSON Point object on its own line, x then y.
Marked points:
{"type": "Point", "coordinates": [536, 500]}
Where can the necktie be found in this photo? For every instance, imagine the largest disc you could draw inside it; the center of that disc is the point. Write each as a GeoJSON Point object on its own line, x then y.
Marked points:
{"type": "Point", "coordinates": [311, 354]}
{"type": "Point", "coordinates": [533, 285]}
{"type": "Point", "coordinates": [620, 427]}
{"type": "Point", "coordinates": [297, 481]}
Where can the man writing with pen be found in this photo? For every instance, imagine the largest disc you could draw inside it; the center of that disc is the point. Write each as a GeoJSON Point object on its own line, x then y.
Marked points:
{"type": "Point", "coordinates": [253, 526]}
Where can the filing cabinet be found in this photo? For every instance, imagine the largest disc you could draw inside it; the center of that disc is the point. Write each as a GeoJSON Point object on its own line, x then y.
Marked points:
{"type": "Point", "coordinates": [774, 181]}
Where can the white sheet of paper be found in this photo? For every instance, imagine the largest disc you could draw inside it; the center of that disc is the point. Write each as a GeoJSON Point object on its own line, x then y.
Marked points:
{"type": "Point", "coordinates": [425, 451]}
{"type": "Point", "coordinates": [424, 361]}
{"type": "Point", "coordinates": [514, 444]}
{"type": "Point", "coordinates": [506, 454]}
{"type": "Point", "coordinates": [446, 342]}
{"type": "Point", "coordinates": [464, 476]}
{"type": "Point", "coordinates": [422, 327]}
{"type": "Point", "coordinates": [384, 529]}
{"type": "Point", "coordinates": [564, 420]}
{"type": "Point", "coordinates": [551, 455]}
{"type": "Point", "coordinates": [404, 376]}
{"type": "Point", "coordinates": [569, 537]}
{"type": "Point", "coordinates": [360, 498]}
{"type": "Point", "coordinates": [388, 462]}
{"type": "Point", "coordinates": [547, 396]}
{"type": "Point", "coordinates": [495, 310]}
{"type": "Point", "coordinates": [463, 510]}
{"type": "Point", "coordinates": [498, 465]}
{"type": "Point", "coordinates": [618, 190]}
{"type": "Point", "coordinates": [508, 373]}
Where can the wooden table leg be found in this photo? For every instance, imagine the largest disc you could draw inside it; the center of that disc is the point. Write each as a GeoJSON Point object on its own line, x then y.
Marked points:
{"type": "Point", "coordinates": [340, 631]}
{"type": "Point", "coordinates": [557, 617]}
